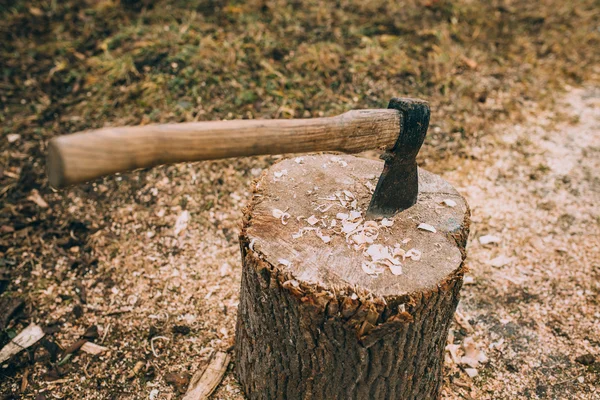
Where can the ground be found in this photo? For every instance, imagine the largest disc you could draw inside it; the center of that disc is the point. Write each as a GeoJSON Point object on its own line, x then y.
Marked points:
{"type": "Point", "coordinates": [507, 130]}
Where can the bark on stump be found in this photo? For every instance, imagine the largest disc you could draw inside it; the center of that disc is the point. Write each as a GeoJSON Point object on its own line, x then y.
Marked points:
{"type": "Point", "coordinates": [311, 322]}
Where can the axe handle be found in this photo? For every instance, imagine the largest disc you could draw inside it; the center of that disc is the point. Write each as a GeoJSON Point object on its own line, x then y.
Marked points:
{"type": "Point", "coordinates": [83, 156]}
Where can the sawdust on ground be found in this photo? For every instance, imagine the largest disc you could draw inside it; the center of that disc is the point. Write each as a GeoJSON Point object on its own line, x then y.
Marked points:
{"type": "Point", "coordinates": [171, 263]}
{"type": "Point", "coordinates": [534, 301]}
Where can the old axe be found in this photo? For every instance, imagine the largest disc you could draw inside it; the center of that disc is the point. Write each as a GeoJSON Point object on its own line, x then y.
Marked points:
{"type": "Point", "coordinates": [399, 130]}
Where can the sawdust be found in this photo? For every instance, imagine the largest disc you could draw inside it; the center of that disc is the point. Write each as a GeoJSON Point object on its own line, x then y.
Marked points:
{"type": "Point", "coordinates": [536, 186]}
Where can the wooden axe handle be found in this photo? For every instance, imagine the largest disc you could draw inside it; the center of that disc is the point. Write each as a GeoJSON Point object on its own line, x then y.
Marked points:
{"type": "Point", "coordinates": [83, 156]}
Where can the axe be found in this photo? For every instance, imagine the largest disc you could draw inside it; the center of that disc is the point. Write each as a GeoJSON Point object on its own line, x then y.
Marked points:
{"type": "Point", "coordinates": [399, 130]}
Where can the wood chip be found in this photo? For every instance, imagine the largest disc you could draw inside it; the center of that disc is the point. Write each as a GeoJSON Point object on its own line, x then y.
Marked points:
{"type": "Point", "coordinates": [489, 239]}
{"type": "Point", "coordinates": [93, 348]}
{"type": "Point", "coordinates": [37, 199]}
{"type": "Point", "coordinates": [427, 227]}
{"type": "Point", "coordinates": [204, 382]}
{"type": "Point", "coordinates": [181, 223]}
{"type": "Point", "coordinates": [449, 202]}
{"type": "Point", "coordinates": [413, 254]}
{"type": "Point", "coordinates": [463, 322]}
{"type": "Point", "coordinates": [279, 174]}
{"type": "Point", "coordinates": [500, 261]}
{"type": "Point", "coordinates": [28, 336]}
{"type": "Point", "coordinates": [312, 220]}
{"type": "Point", "coordinates": [284, 262]}
{"type": "Point", "coordinates": [13, 137]}
{"type": "Point", "coordinates": [387, 222]}
{"type": "Point", "coordinates": [473, 356]}
{"type": "Point", "coordinates": [396, 269]}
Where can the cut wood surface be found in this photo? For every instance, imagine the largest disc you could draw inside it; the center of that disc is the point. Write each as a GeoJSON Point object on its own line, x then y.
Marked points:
{"type": "Point", "coordinates": [317, 316]}
{"type": "Point", "coordinates": [87, 155]}
{"type": "Point", "coordinates": [333, 264]}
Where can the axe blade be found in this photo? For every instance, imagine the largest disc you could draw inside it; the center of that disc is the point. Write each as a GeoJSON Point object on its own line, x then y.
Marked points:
{"type": "Point", "coordinates": [398, 186]}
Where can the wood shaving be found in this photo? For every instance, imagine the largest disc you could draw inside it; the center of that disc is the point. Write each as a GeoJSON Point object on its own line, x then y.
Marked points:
{"type": "Point", "coordinates": [449, 202]}
{"type": "Point", "coordinates": [312, 220]}
{"type": "Point", "coordinates": [279, 174]}
{"type": "Point", "coordinates": [396, 269]}
{"type": "Point", "coordinates": [387, 222]}
{"type": "Point", "coordinates": [323, 207]}
{"type": "Point", "coordinates": [339, 161]}
{"type": "Point", "coordinates": [324, 238]}
{"type": "Point", "coordinates": [413, 254]}
{"type": "Point", "coordinates": [426, 227]}
{"type": "Point", "coordinates": [354, 215]}
{"type": "Point", "coordinates": [473, 356]}
{"type": "Point", "coordinates": [370, 186]}
{"type": "Point", "coordinates": [284, 262]}
{"type": "Point", "coordinates": [371, 268]}
{"type": "Point", "coordinates": [299, 160]}
{"type": "Point", "coordinates": [284, 216]}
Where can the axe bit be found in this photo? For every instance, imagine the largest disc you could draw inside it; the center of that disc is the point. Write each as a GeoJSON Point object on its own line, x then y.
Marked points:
{"type": "Point", "coordinates": [399, 130]}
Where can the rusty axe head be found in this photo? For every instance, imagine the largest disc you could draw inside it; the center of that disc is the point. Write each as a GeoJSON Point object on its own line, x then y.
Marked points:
{"type": "Point", "coordinates": [398, 185]}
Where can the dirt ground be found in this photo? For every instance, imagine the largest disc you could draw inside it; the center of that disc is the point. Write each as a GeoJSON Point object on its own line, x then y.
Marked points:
{"type": "Point", "coordinates": [151, 258]}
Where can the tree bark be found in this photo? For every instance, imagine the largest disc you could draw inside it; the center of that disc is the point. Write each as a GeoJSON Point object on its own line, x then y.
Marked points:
{"type": "Point", "coordinates": [339, 333]}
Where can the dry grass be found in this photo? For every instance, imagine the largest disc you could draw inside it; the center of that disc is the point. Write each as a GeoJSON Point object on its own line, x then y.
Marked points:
{"type": "Point", "coordinates": [73, 65]}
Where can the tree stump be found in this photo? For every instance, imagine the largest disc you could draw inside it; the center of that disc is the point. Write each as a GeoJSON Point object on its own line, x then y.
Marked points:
{"type": "Point", "coordinates": [324, 311]}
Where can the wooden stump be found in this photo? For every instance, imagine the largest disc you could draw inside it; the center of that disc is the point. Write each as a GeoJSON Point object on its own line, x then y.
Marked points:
{"type": "Point", "coordinates": [312, 323]}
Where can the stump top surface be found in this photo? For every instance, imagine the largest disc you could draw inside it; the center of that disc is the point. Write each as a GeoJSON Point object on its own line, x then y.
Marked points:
{"type": "Point", "coordinates": [314, 186]}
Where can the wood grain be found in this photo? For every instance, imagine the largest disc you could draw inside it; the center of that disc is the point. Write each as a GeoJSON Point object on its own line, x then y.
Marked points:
{"type": "Point", "coordinates": [311, 321]}
{"type": "Point", "coordinates": [88, 155]}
